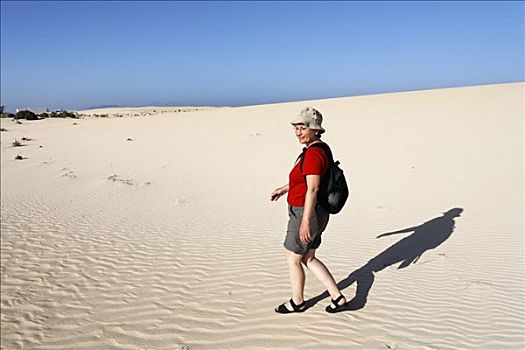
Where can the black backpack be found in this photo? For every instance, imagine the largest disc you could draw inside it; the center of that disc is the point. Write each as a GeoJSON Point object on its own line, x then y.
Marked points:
{"type": "Point", "coordinates": [333, 191]}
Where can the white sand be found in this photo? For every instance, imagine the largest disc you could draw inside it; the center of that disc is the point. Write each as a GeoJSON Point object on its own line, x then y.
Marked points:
{"type": "Point", "coordinates": [169, 241]}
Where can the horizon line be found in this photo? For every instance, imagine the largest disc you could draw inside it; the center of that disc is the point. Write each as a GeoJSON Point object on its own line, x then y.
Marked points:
{"type": "Point", "coordinates": [380, 92]}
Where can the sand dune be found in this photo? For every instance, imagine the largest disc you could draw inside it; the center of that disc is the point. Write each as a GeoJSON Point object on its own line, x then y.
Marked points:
{"type": "Point", "coordinates": [169, 240]}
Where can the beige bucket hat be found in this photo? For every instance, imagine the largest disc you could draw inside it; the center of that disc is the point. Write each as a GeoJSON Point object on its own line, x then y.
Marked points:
{"type": "Point", "coordinates": [310, 117]}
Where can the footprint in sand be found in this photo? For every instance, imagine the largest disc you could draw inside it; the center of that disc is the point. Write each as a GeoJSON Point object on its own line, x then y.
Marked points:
{"type": "Point", "coordinates": [180, 201]}
{"type": "Point", "coordinates": [117, 178]}
{"type": "Point", "coordinates": [68, 173]}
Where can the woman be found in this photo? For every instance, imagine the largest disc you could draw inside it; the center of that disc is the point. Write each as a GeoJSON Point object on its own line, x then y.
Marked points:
{"type": "Point", "coordinates": [307, 219]}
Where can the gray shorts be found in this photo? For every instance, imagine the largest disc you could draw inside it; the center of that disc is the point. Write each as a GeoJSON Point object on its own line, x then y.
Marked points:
{"type": "Point", "coordinates": [318, 223]}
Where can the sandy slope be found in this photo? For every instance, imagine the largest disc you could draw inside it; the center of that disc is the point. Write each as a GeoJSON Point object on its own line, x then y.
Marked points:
{"type": "Point", "coordinates": [169, 241]}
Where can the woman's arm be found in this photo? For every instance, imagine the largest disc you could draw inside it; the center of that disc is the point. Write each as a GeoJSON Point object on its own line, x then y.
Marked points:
{"type": "Point", "coordinates": [279, 192]}
{"type": "Point", "coordinates": [312, 188]}
{"type": "Point", "coordinates": [400, 231]}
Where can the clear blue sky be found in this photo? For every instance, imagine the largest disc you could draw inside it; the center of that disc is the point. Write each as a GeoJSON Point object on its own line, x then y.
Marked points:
{"type": "Point", "coordinates": [79, 54]}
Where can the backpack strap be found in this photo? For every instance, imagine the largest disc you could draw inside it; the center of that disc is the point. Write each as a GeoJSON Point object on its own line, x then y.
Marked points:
{"type": "Point", "coordinates": [321, 145]}
{"type": "Point", "coordinates": [301, 156]}
{"type": "Point", "coordinates": [326, 149]}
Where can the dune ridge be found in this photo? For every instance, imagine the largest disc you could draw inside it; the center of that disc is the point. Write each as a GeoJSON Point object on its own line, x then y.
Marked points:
{"type": "Point", "coordinates": [139, 111]}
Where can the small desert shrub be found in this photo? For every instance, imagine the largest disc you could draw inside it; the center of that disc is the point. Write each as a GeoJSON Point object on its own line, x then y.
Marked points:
{"type": "Point", "coordinates": [59, 114]}
{"type": "Point", "coordinates": [17, 143]}
{"type": "Point", "coordinates": [27, 115]}
{"type": "Point", "coordinates": [19, 157]}
{"type": "Point", "coordinates": [3, 129]}
{"type": "Point", "coordinates": [26, 138]}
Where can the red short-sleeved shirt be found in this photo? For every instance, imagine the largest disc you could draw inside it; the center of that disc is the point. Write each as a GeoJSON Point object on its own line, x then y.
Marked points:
{"type": "Point", "coordinates": [315, 163]}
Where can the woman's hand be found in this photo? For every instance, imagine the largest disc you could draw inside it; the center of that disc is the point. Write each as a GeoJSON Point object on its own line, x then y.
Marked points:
{"type": "Point", "coordinates": [278, 193]}
{"type": "Point", "coordinates": [304, 233]}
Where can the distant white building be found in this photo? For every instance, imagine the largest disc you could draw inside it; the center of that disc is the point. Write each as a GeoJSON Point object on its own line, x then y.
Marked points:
{"type": "Point", "coordinates": [36, 110]}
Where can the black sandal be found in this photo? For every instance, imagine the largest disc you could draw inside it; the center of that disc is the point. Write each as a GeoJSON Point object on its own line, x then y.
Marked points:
{"type": "Point", "coordinates": [296, 308]}
{"type": "Point", "coordinates": [337, 308]}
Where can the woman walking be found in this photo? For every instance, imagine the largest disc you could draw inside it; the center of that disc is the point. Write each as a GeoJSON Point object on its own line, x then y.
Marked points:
{"type": "Point", "coordinates": [307, 219]}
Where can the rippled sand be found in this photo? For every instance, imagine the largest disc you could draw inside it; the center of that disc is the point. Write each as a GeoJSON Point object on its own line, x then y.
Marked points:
{"type": "Point", "coordinates": [168, 240]}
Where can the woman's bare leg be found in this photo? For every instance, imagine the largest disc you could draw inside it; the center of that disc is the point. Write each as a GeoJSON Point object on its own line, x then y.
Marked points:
{"type": "Point", "coordinates": [297, 277]}
{"type": "Point", "coordinates": [323, 275]}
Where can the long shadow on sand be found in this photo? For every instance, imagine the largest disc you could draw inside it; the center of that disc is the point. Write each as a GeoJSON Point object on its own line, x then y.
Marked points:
{"type": "Point", "coordinates": [426, 236]}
